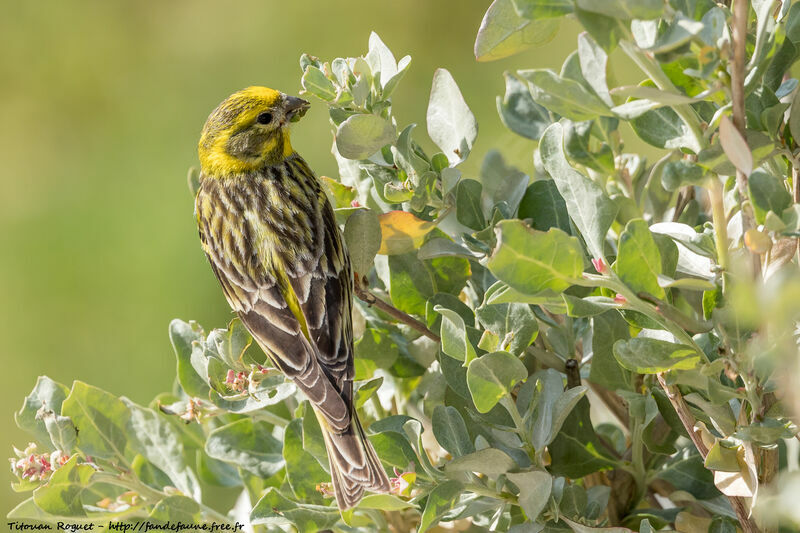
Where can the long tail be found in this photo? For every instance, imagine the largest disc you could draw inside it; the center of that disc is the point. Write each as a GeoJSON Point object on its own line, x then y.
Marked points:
{"type": "Point", "coordinates": [355, 466]}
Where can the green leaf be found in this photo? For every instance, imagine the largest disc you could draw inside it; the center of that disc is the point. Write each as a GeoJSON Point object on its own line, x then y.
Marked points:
{"type": "Point", "coordinates": [651, 356]}
{"type": "Point", "coordinates": [541, 9]}
{"type": "Point", "coordinates": [699, 243]}
{"type": "Point", "coordinates": [608, 328]}
{"type": "Point", "coordinates": [216, 472]}
{"type": "Point", "coordinates": [450, 274]}
{"type": "Point", "coordinates": [664, 128]}
{"type": "Point", "coordinates": [405, 153]}
{"type": "Point", "coordinates": [450, 301]}
{"type": "Point", "coordinates": [534, 491]}
{"type": "Point", "coordinates": [381, 60]}
{"type": "Point", "coordinates": [455, 341]}
{"type": "Point", "coordinates": [450, 431]}
{"type": "Point", "coordinates": [607, 31]}
{"type": "Point", "coordinates": [723, 457]}
{"type": "Point", "coordinates": [638, 259]}
{"type": "Point", "coordinates": [488, 461]}
{"type": "Point", "coordinates": [159, 442]}
{"type": "Point", "coordinates": [451, 124]}
{"type": "Point", "coordinates": [183, 336]}
{"type": "Point", "coordinates": [514, 325]}
{"type": "Point", "coordinates": [594, 60]}
{"type": "Point", "coordinates": [503, 32]}
{"type": "Point", "coordinates": [102, 421]}
{"type": "Point", "coordinates": [62, 431]}
{"type": "Point", "coordinates": [588, 306]}
{"type": "Point", "coordinates": [28, 510]}
{"type": "Point", "coordinates": [383, 502]}
{"type": "Point", "coordinates": [766, 432]}
{"type": "Point", "coordinates": [231, 343]}
{"type": "Point", "coordinates": [577, 527]}
{"type": "Point", "coordinates": [676, 174]}
{"type": "Point", "coordinates": [362, 135]}
{"type": "Point", "coordinates": [410, 283]}
{"type": "Point", "coordinates": [550, 416]}
{"type": "Point", "coordinates": [577, 451]}
{"type": "Point", "coordinates": [248, 444]}
{"type": "Point", "coordinates": [686, 472]}
{"type": "Point", "coordinates": [303, 472]}
{"type": "Point", "coordinates": [176, 508]}
{"type": "Point", "coordinates": [315, 82]}
{"type": "Point", "coordinates": [61, 495]}
{"type": "Point", "coordinates": [493, 376]}
{"type": "Point", "coordinates": [680, 31]}
{"type": "Point", "coordinates": [362, 233]}
{"type": "Point", "coordinates": [519, 112]}
{"type": "Point", "coordinates": [441, 499]}
{"type": "Point", "coordinates": [441, 247]}
{"type": "Point", "coordinates": [563, 96]}
{"type": "Point", "coordinates": [377, 346]}
{"type": "Point", "coordinates": [394, 450]}
{"type": "Point", "coordinates": [544, 205]}
{"type": "Point", "coordinates": [468, 204]}
{"type": "Point", "coordinates": [366, 391]}
{"type": "Point", "coordinates": [46, 394]}
{"type": "Point", "coordinates": [624, 9]}
{"type": "Point", "coordinates": [577, 139]}
{"type": "Point", "coordinates": [501, 182]}
{"type": "Point", "coordinates": [532, 261]}
{"type": "Point", "coordinates": [587, 204]}
{"type": "Point", "coordinates": [767, 193]}
{"type": "Point", "coordinates": [274, 509]}
{"type": "Point", "coordinates": [313, 440]}
{"type": "Point", "coordinates": [714, 158]}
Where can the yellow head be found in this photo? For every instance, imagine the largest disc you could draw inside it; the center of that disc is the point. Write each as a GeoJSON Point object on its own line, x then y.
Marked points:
{"type": "Point", "coordinates": [248, 130]}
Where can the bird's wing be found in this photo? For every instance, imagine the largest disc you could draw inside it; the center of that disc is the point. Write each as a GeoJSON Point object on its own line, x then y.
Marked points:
{"type": "Point", "coordinates": [325, 298]}
{"type": "Point", "coordinates": [301, 321]}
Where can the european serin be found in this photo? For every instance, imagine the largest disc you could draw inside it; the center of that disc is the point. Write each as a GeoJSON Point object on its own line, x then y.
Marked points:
{"type": "Point", "coordinates": [270, 235]}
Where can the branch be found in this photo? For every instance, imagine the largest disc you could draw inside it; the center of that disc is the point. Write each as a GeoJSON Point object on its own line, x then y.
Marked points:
{"type": "Point", "coordinates": [747, 524]}
{"type": "Point", "coordinates": [370, 299]}
{"type": "Point", "coordinates": [741, 9]}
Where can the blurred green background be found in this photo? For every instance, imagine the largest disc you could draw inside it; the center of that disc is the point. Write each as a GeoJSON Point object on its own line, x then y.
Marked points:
{"type": "Point", "coordinates": [102, 104]}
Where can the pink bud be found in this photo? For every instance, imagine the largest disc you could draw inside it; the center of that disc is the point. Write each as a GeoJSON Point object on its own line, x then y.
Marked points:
{"type": "Point", "coordinates": [599, 265]}
{"type": "Point", "coordinates": [620, 299]}
{"type": "Point", "coordinates": [355, 203]}
{"type": "Point", "coordinates": [230, 377]}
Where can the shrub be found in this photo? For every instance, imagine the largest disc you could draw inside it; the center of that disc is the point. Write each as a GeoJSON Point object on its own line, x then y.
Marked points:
{"type": "Point", "coordinates": [496, 310]}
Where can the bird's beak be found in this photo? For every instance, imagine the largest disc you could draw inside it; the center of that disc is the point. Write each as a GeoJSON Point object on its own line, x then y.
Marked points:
{"type": "Point", "coordinates": [295, 108]}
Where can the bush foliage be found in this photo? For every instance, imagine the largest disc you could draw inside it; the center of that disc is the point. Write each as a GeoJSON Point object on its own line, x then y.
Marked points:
{"type": "Point", "coordinates": [607, 345]}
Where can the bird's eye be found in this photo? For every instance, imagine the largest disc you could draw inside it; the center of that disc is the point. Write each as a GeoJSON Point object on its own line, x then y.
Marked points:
{"type": "Point", "coordinates": [264, 118]}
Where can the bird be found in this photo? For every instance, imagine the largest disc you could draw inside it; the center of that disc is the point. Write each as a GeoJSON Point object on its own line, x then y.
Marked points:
{"type": "Point", "coordinates": [270, 235]}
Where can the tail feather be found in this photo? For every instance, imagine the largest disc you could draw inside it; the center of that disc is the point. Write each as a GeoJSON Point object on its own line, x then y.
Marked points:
{"type": "Point", "coordinates": [354, 465]}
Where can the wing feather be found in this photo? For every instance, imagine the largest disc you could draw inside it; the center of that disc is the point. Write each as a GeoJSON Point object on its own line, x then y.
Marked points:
{"type": "Point", "coordinates": [300, 316]}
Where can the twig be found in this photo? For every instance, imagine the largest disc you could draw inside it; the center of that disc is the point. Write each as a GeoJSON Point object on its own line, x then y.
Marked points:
{"type": "Point", "coordinates": [370, 299]}
{"type": "Point", "coordinates": [741, 10]}
{"type": "Point", "coordinates": [747, 524]}
{"type": "Point", "coordinates": [573, 372]}
{"type": "Point", "coordinates": [685, 195]}
{"type": "Point", "coordinates": [739, 38]}
{"type": "Point", "coordinates": [613, 401]}
{"type": "Point", "coordinates": [720, 226]}
{"type": "Point", "coordinates": [796, 197]}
